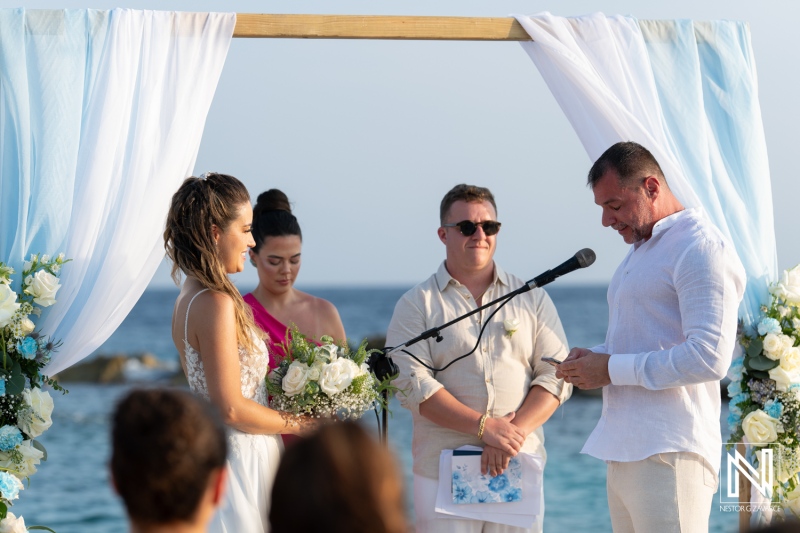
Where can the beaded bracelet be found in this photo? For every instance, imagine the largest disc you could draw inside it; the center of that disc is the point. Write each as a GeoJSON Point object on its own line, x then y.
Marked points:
{"type": "Point", "coordinates": [480, 428]}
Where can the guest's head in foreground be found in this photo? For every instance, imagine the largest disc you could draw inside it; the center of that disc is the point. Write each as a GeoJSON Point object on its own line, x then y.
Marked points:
{"type": "Point", "coordinates": [339, 480]}
{"type": "Point", "coordinates": [629, 185]}
{"type": "Point", "coordinates": [207, 237]}
{"type": "Point", "coordinates": [167, 460]}
{"type": "Point", "coordinates": [469, 227]}
{"type": "Point", "coordinates": [276, 254]}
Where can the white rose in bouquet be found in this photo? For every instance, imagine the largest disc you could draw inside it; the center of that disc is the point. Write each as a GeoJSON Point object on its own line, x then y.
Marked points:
{"type": "Point", "coordinates": [12, 524]}
{"type": "Point", "coordinates": [788, 287]}
{"type": "Point", "coordinates": [35, 417]}
{"type": "Point", "coordinates": [783, 378]}
{"type": "Point", "coordinates": [773, 346]}
{"type": "Point", "coordinates": [27, 326]}
{"type": "Point", "coordinates": [30, 458]}
{"type": "Point", "coordinates": [790, 360]}
{"type": "Point", "coordinates": [337, 376]}
{"type": "Point", "coordinates": [315, 372]}
{"type": "Point", "coordinates": [8, 304]}
{"type": "Point", "coordinates": [295, 379]}
{"type": "Point", "coordinates": [43, 288]}
{"type": "Point", "coordinates": [760, 428]}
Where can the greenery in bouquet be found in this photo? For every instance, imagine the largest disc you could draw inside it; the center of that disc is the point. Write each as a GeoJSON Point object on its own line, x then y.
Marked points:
{"type": "Point", "coordinates": [765, 390]}
{"type": "Point", "coordinates": [25, 409]}
{"type": "Point", "coordinates": [325, 380]}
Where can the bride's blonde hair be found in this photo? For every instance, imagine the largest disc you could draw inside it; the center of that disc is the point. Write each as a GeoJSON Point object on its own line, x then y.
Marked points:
{"type": "Point", "coordinates": [198, 204]}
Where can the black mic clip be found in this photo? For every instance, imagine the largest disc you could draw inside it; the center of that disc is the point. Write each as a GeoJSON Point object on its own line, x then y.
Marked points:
{"type": "Point", "coordinates": [382, 365]}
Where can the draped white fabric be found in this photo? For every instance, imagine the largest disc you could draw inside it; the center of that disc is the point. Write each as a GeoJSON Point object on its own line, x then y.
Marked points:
{"type": "Point", "coordinates": [101, 116]}
{"type": "Point", "coordinates": [688, 92]}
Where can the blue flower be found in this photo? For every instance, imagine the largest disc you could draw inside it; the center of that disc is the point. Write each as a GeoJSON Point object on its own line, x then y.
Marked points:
{"type": "Point", "coordinates": [461, 493]}
{"type": "Point", "coordinates": [733, 421]}
{"type": "Point", "coordinates": [27, 347]}
{"type": "Point", "coordinates": [482, 497]}
{"type": "Point", "coordinates": [2, 386]}
{"type": "Point", "coordinates": [9, 486]}
{"type": "Point", "coordinates": [498, 483]}
{"type": "Point", "coordinates": [10, 438]}
{"type": "Point", "coordinates": [734, 388]}
{"type": "Point", "coordinates": [773, 408]}
{"type": "Point", "coordinates": [769, 325]}
{"type": "Point", "coordinates": [512, 495]}
{"type": "Point", "coordinates": [736, 369]}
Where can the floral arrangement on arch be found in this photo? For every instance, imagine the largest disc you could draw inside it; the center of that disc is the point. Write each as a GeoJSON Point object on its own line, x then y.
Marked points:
{"type": "Point", "coordinates": [25, 409]}
{"type": "Point", "coordinates": [325, 380]}
{"type": "Point", "coordinates": [765, 391]}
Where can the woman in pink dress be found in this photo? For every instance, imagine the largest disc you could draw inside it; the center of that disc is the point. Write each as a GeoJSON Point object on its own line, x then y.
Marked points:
{"type": "Point", "coordinates": [276, 303]}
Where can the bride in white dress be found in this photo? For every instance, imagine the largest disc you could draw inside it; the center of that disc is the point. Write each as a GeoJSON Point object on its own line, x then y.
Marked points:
{"type": "Point", "coordinates": [207, 237]}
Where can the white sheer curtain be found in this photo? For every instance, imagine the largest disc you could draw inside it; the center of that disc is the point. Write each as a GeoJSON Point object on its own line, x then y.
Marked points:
{"type": "Point", "coordinates": [688, 93]}
{"type": "Point", "coordinates": [101, 117]}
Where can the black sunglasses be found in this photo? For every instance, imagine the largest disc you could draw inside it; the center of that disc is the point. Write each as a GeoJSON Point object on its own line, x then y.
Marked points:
{"type": "Point", "coordinates": [468, 227]}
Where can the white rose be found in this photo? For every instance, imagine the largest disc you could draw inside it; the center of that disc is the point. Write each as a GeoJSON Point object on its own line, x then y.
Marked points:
{"type": "Point", "coordinates": [8, 304]}
{"type": "Point", "coordinates": [27, 326]}
{"type": "Point", "coordinates": [788, 287]}
{"type": "Point", "coordinates": [790, 360]}
{"type": "Point", "coordinates": [315, 371]}
{"type": "Point", "coordinates": [12, 524]}
{"type": "Point", "coordinates": [773, 346]}
{"type": "Point", "coordinates": [36, 415]}
{"type": "Point", "coordinates": [787, 341]}
{"type": "Point", "coordinates": [511, 325]}
{"type": "Point", "coordinates": [783, 378]}
{"type": "Point", "coordinates": [295, 379]}
{"type": "Point", "coordinates": [30, 458]}
{"type": "Point", "coordinates": [792, 502]}
{"type": "Point", "coordinates": [43, 288]}
{"type": "Point", "coordinates": [337, 376]}
{"type": "Point", "coordinates": [760, 428]}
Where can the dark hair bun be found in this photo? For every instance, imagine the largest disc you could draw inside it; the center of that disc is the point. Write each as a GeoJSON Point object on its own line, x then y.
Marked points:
{"type": "Point", "coordinates": [272, 200]}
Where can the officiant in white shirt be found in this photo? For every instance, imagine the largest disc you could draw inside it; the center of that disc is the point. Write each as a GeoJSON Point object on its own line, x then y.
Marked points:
{"type": "Point", "coordinates": [673, 309]}
{"type": "Point", "coordinates": [498, 397]}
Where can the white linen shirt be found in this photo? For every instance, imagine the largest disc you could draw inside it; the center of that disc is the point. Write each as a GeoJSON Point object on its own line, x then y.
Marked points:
{"type": "Point", "coordinates": [673, 307]}
{"type": "Point", "coordinates": [495, 379]}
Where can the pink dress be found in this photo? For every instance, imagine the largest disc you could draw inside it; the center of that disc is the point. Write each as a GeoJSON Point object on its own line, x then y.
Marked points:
{"type": "Point", "coordinates": [277, 332]}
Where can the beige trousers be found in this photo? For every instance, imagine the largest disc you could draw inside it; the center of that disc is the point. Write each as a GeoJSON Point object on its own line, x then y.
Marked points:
{"type": "Point", "coordinates": [665, 493]}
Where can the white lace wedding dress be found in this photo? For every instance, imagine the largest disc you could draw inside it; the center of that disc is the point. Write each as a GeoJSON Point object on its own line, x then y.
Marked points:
{"type": "Point", "coordinates": [252, 459]}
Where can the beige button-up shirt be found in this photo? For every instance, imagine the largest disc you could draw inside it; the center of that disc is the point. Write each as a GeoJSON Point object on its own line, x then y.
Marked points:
{"type": "Point", "coordinates": [495, 379]}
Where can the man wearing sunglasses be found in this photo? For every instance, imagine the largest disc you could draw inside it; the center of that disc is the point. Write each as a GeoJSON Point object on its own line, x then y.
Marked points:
{"type": "Point", "coordinates": [498, 397]}
{"type": "Point", "coordinates": [674, 303]}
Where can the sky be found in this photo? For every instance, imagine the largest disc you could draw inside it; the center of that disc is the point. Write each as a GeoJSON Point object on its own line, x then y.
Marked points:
{"type": "Point", "coordinates": [365, 137]}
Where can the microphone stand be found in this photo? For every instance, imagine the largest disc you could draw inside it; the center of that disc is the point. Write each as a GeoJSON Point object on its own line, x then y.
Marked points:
{"type": "Point", "coordinates": [382, 365]}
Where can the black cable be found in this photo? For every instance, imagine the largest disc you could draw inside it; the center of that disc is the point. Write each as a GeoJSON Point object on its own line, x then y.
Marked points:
{"type": "Point", "coordinates": [478, 343]}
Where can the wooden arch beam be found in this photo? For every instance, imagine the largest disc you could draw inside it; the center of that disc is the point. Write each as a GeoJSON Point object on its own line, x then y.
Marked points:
{"type": "Point", "coordinates": [252, 25]}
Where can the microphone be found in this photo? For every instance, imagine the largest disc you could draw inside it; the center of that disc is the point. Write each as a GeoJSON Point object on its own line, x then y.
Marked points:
{"type": "Point", "coordinates": [582, 259]}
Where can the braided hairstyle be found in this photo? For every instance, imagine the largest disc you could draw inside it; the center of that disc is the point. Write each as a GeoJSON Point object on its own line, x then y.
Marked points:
{"type": "Point", "coordinates": [272, 217]}
{"type": "Point", "coordinates": [198, 204]}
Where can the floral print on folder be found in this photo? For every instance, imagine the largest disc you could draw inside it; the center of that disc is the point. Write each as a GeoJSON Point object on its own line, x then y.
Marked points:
{"type": "Point", "coordinates": [470, 486]}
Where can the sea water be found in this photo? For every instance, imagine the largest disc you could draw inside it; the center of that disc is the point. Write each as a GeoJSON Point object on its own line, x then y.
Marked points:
{"type": "Point", "coordinates": [71, 492]}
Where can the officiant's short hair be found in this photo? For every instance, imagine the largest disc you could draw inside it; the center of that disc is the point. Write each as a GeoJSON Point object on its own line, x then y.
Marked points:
{"type": "Point", "coordinates": [631, 160]}
{"type": "Point", "coordinates": [166, 445]}
{"type": "Point", "coordinates": [465, 193]}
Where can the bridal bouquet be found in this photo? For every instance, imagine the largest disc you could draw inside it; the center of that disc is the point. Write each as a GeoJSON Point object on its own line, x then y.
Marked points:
{"type": "Point", "coordinates": [765, 389]}
{"type": "Point", "coordinates": [325, 380]}
{"type": "Point", "coordinates": [25, 409]}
